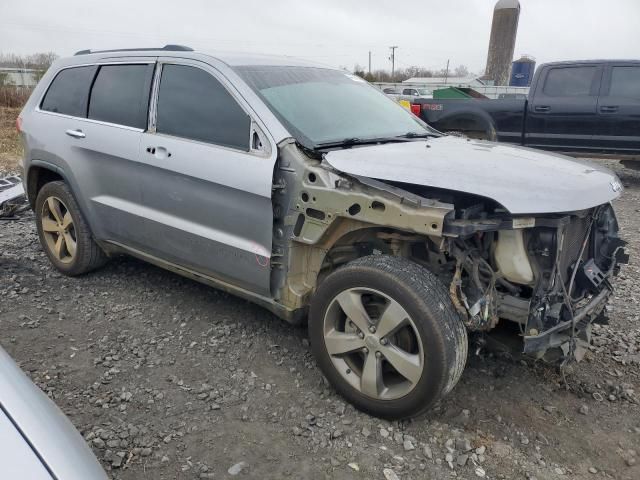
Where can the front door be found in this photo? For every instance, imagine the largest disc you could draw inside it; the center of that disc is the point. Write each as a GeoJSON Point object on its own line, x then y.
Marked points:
{"type": "Point", "coordinates": [562, 114]}
{"type": "Point", "coordinates": [206, 193]}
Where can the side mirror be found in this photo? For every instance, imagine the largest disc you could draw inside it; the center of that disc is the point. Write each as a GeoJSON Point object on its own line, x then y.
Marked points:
{"type": "Point", "coordinates": [258, 140]}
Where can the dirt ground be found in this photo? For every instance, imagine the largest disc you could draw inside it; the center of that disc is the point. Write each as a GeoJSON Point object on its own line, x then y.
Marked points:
{"type": "Point", "coordinates": [170, 379]}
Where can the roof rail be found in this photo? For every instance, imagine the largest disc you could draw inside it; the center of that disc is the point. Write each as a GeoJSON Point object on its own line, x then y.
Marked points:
{"type": "Point", "coordinates": [166, 48]}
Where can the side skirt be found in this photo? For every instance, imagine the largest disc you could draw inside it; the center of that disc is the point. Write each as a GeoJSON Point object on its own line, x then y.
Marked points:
{"type": "Point", "coordinates": [293, 317]}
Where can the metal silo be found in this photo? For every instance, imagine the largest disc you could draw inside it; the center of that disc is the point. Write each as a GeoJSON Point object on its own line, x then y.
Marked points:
{"type": "Point", "coordinates": [506, 14]}
{"type": "Point", "coordinates": [522, 72]}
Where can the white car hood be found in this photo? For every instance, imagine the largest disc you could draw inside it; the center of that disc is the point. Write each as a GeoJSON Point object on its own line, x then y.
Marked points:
{"type": "Point", "coordinates": [522, 180]}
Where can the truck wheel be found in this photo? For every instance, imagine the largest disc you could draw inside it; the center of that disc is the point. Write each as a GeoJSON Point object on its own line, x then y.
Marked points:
{"type": "Point", "coordinates": [386, 336]}
{"type": "Point", "coordinates": [489, 134]}
{"type": "Point", "coordinates": [63, 232]}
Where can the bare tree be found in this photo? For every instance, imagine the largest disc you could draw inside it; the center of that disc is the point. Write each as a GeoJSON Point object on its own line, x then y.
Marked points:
{"type": "Point", "coordinates": [36, 61]}
{"type": "Point", "coordinates": [462, 71]}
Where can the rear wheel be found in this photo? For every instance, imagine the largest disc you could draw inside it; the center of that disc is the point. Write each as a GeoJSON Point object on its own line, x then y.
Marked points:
{"type": "Point", "coordinates": [63, 232]}
{"type": "Point", "coordinates": [386, 336]}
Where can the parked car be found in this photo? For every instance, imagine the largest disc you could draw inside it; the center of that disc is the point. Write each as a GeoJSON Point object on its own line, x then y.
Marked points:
{"type": "Point", "coordinates": [415, 93]}
{"type": "Point", "coordinates": [37, 442]}
{"type": "Point", "coordinates": [391, 238]}
{"type": "Point", "coordinates": [584, 108]}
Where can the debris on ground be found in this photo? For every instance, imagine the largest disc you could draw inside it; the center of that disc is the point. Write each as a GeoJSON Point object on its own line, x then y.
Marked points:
{"type": "Point", "coordinates": [13, 199]}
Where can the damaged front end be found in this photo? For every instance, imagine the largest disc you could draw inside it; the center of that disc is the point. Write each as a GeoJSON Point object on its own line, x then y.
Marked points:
{"type": "Point", "coordinates": [546, 272]}
{"type": "Point", "coordinates": [549, 274]}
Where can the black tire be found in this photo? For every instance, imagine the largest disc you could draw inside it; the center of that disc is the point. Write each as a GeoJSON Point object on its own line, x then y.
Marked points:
{"type": "Point", "coordinates": [427, 302]}
{"type": "Point", "coordinates": [88, 255]}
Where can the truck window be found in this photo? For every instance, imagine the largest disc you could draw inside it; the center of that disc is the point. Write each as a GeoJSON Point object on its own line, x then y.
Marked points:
{"type": "Point", "coordinates": [69, 91]}
{"type": "Point", "coordinates": [193, 104]}
{"type": "Point", "coordinates": [625, 82]}
{"type": "Point", "coordinates": [570, 81]}
{"type": "Point", "coordinates": [120, 94]}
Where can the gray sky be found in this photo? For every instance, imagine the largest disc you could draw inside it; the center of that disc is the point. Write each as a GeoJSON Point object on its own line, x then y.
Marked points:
{"type": "Point", "coordinates": [334, 32]}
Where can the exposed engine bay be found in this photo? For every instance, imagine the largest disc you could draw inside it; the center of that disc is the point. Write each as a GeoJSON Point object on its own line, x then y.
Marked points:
{"type": "Point", "coordinates": [551, 275]}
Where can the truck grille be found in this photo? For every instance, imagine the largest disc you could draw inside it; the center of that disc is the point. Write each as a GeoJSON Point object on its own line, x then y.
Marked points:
{"type": "Point", "coordinates": [575, 234]}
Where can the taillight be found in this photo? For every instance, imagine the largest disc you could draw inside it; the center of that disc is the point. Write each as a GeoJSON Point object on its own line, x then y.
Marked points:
{"type": "Point", "coordinates": [19, 124]}
{"type": "Point", "coordinates": [415, 109]}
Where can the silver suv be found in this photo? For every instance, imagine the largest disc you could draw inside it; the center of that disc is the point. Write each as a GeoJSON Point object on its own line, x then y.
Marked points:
{"type": "Point", "coordinates": [308, 191]}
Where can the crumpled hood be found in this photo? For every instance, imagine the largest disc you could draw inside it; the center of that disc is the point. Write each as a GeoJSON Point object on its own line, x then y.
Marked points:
{"type": "Point", "coordinates": [522, 180]}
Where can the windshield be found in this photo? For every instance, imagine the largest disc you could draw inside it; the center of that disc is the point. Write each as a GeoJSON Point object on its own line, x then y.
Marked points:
{"type": "Point", "coordinates": [320, 106]}
{"type": "Point", "coordinates": [423, 91]}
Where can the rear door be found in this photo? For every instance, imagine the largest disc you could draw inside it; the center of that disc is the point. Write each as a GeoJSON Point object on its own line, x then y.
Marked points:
{"type": "Point", "coordinates": [206, 184]}
{"type": "Point", "coordinates": [563, 112]}
{"type": "Point", "coordinates": [91, 120]}
{"type": "Point", "coordinates": [619, 109]}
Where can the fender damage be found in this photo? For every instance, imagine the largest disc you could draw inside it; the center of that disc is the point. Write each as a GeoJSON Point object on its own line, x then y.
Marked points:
{"type": "Point", "coordinates": [542, 260]}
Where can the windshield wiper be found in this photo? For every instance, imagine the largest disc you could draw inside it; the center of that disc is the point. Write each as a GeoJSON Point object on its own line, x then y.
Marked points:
{"type": "Point", "coordinates": [417, 135]}
{"type": "Point", "coordinates": [350, 142]}
{"type": "Point", "coordinates": [346, 142]}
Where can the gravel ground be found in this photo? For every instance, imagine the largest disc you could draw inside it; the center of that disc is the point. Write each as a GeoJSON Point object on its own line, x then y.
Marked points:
{"type": "Point", "coordinates": [169, 379]}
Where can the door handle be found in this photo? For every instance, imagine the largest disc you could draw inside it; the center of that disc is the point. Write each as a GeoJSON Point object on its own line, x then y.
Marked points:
{"type": "Point", "coordinates": [542, 108]}
{"type": "Point", "coordinates": [75, 133]}
{"type": "Point", "coordinates": [609, 108]}
{"type": "Point", "coordinates": [159, 152]}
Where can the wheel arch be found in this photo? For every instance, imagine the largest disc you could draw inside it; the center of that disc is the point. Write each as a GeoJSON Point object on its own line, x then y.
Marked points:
{"type": "Point", "coordinates": [40, 173]}
{"type": "Point", "coordinates": [468, 121]}
{"type": "Point", "coordinates": [346, 240]}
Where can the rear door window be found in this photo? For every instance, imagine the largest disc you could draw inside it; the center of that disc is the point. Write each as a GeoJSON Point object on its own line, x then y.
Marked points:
{"type": "Point", "coordinates": [193, 104]}
{"type": "Point", "coordinates": [69, 91]}
{"type": "Point", "coordinates": [120, 94]}
{"type": "Point", "coordinates": [625, 82]}
{"type": "Point", "coordinates": [570, 81]}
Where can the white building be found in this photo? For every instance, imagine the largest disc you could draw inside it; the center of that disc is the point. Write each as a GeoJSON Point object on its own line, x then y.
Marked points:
{"type": "Point", "coordinates": [19, 77]}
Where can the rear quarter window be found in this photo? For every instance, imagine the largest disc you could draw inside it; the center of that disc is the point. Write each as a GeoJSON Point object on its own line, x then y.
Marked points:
{"type": "Point", "coordinates": [69, 91]}
{"type": "Point", "coordinates": [120, 94]}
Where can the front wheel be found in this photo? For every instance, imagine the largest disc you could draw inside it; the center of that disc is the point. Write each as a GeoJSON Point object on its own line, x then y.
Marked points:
{"type": "Point", "coordinates": [386, 336]}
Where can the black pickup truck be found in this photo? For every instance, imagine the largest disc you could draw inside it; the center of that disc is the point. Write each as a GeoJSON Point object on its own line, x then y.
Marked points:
{"type": "Point", "coordinates": [584, 108]}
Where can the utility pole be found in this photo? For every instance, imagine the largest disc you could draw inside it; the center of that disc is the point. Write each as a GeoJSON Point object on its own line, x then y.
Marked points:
{"type": "Point", "coordinates": [446, 73]}
{"type": "Point", "coordinates": [393, 61]}
{"type": "Point", "coordinates": [369, 62]}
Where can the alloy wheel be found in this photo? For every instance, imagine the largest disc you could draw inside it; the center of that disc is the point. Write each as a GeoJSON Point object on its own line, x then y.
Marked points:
{"type": "Point", "coordinates": [373, 343]}
{"type": "Point", "coordinates": [58, 230]}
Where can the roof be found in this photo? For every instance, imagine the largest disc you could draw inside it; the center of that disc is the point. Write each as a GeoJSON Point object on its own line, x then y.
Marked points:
{"type": "Point", "coordinates": [588, 62]}
{"type": "Point", "coordinates": [503, 4]}
{"type": "Point", "coordinates": [232, 59]}
{"type": "Point", "coordinates": [443, 80]}
{"type": "Point", "coordinates": [235, 59]}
